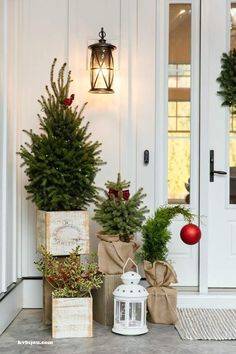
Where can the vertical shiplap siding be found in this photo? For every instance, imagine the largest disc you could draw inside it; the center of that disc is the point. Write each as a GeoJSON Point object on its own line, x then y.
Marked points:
{"type": "Point", "coordinates": [126, 123]}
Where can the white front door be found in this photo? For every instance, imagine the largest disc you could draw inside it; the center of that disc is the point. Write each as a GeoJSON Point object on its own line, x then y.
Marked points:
{"type": "Point", "coordinates": [219, 18]}
{"type": "Point", "coordinates": [180, 119]}
{"type": "Point", "coordinates": [168, 117]}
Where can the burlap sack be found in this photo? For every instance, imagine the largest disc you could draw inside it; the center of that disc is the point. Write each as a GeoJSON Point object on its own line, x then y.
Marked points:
{"type": "Point", "coordinates": [113, 253]}
{"type": "Point", "coordinates": [162, 299]}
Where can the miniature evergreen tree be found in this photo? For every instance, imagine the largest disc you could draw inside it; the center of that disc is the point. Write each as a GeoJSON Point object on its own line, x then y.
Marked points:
{"type": "Point", "coordinates": [61, 162]}
{"type": "Point", "coordinates": [117, 212]}
{"type": "Point", "coordinates": [156, 234]}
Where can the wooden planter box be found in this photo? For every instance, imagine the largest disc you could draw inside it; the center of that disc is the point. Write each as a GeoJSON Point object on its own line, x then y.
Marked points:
{"type": "Point", "coordinates": [62, 231]}
{"type": "Point", "coordinates": [103, 300]}
{"type": "Point", "coordinates": [47, 297]}
{"type": "Point", "coordinates": [47, 302]}
{"type": "Point", "coordinates": [72, 317]}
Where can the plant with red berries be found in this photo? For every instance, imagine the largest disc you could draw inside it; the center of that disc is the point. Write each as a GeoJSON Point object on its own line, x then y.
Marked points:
{"type": "Point", "coordinates": [119, 213]}
{"type": "Point", "coordinates": [70, 278]}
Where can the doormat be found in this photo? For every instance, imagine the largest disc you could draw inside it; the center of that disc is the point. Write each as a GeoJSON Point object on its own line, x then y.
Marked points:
{"type": "Point", "coordinates": [206, 324]}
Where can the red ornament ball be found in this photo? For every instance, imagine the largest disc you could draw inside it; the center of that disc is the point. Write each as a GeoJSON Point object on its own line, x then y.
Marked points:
{"type": "Point", "coordinates": [190, 234]}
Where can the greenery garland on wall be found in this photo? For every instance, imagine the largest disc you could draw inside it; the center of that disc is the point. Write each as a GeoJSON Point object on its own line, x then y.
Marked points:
{"type": "Point", "coordinates": [227, 80]}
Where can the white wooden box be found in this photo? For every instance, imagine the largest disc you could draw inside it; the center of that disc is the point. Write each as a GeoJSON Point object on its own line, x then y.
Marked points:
{"type": "Point", "coordinates": [62, 231]}
{"type": "Point", "coordinates": [72, 317]}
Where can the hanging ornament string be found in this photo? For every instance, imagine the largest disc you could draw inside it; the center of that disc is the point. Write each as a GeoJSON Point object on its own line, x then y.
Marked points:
{"type": "Point", "coordinates": [227, 80]}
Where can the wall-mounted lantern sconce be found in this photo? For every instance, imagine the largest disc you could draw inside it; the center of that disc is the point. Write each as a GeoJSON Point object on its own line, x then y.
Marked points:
{"type": "Point", "coordinates": [101, 65]}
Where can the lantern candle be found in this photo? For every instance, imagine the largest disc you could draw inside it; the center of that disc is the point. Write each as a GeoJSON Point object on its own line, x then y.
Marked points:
{"type": "Point", "coordinates": [130, 305]}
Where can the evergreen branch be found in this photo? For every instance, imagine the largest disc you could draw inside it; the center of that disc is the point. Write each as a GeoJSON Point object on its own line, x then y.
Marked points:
{"type": "Point", "coordinates": [68, 82]}
{"type": "Point", "coordinates": [53, 84]}
{"type": "Point", "coordinates": [156, 234]}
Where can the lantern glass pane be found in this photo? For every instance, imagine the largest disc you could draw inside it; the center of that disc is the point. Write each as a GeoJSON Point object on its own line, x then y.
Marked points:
{"type": "Point", "coordinates": [101, 68]}
{"type": "Point", "coordinates": [135, 314]}
{"type": "Point", "coordinates": [117, 311]}
{"type": "Point", "coordinates": [122, 311]}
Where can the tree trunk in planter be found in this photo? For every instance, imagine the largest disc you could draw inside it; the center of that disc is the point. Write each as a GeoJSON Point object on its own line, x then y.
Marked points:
{"type": "Point", "coordinates": [113, 253]}
{"type": "Point", "coordinates": [103, 300]}
{"type": "Point", "coordinates": [162, 299]}
{"type": "Point", "coordinates": [62, 231]}
{"type": "Point", "coordinates": [72, 317]}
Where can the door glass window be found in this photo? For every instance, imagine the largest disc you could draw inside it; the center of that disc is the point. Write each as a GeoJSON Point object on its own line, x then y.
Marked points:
{"type": "Point", "coordinates": [232, 136]}
{"type": "Point", "coordinates": [179, 103]}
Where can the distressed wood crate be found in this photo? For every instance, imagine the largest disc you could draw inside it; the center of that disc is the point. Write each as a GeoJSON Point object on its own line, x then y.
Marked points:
{"type": "Point", "coordinates": [47, 302]}
{"type": "Point", "coordinates": [62, 231]}
{"type": "Point", "coordinates": [103, 300]}
{"type": "Point", "coordinates": [72, 317]}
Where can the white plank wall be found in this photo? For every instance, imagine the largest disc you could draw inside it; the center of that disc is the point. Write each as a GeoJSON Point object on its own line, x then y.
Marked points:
{"type": "Point", "coordinates": [126, 123]}
{"type": "Point", "coordinates": [8, 257]}
{"type": "Point", "coordinates": [85, 21]}
{"type": "Point", "coordinates": [3, 140]}
{"type": "Point", "coordinates": [64, 29]}
{"type": "Point", "coordinates": [43, 36]}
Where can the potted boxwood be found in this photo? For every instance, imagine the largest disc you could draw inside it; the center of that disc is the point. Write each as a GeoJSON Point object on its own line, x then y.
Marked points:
{"type": "Point", "coordinates": [159, 273]}
{"type": "Point", "coordinates": [61, 163]}
{"type": "Point", "coordinates": [120, 216]}
{"type": "Point", "coordinates": [72, 281]}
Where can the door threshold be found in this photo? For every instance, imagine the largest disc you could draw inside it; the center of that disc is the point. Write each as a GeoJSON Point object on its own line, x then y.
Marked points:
{"type": "Point", "coordinates": [224, 300]}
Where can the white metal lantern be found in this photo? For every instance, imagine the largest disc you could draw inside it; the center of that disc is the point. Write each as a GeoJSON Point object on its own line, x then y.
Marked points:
{"type": "Point", "coordinates": [130, 305]}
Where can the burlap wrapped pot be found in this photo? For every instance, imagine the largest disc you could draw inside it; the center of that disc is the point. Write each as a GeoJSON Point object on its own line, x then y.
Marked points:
{"type": "Point", "coordinates": [162, 299]}
{"type": "Point", "coordinates": [113, 253]}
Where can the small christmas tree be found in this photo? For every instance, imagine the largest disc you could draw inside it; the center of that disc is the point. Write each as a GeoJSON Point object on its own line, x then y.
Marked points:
{"type": "Point", "coordinates": [118, 213]}
{"type": "Point", "coordinates": [156, 234]}
{"type": "Point", "coordinates": [61, 162]}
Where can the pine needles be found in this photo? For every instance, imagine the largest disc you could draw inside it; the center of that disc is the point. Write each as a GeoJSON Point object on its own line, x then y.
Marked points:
{"type": "Point", "coordinates": [156, 234]}
{"type": "Point", "coordinates": [61, 162]}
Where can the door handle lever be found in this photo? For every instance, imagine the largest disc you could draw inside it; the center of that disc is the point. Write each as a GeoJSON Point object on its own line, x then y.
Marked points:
{"type": "Point", "coordinates": [220, 172]}
{"type": "Point", "coordinates": [212, 170]}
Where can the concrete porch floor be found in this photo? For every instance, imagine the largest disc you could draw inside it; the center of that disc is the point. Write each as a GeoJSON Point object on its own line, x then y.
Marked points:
{"type": "Point", "coordinates": [160, 339]}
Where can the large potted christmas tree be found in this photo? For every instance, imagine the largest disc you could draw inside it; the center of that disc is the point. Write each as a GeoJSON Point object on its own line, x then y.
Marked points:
{"type": "Point", "coordinates": [61, 164]}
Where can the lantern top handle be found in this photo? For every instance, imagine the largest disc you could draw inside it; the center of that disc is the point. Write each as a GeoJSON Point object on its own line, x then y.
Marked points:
{"type": "Point", "coordinates": [102, 35]}
{"type": "Point", "coordinates": [130, 260]}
